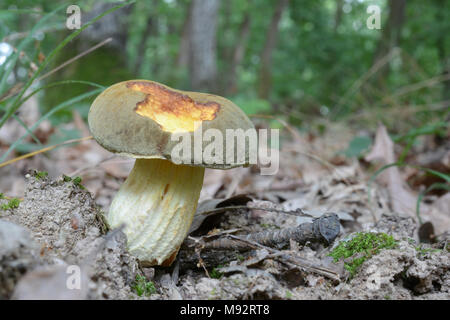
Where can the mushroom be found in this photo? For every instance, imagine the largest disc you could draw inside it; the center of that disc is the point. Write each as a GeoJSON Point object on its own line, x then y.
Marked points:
{"type": "Point", "coordinates": [157, 201]}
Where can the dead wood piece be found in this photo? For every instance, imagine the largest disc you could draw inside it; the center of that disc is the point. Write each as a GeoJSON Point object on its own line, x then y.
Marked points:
{"type": "Point", "coordinates": [220, 249]}
{"type": "Point", "coordinates": [323, 229]}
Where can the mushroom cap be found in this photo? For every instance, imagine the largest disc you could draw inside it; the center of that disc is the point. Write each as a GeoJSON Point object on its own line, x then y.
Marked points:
{"type": "Point", "coordinates": [137, 119]}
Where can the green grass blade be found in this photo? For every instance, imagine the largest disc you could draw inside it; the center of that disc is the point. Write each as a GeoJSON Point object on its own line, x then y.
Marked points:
{"type": "Point", "coordinates": [434, 186]}
{"type": "Point", "coordinates": [11, 60]}
{"type": "Point", "coordinates": [58, 83]}
{"type": "Point", "coordinates": [53, 84]}
{"type": "Point", "coordinates": [16, 103]}
{"type": "Point", "coordinates": [27, 129]}
{"type": "Point", "coordinates": [47, 115]}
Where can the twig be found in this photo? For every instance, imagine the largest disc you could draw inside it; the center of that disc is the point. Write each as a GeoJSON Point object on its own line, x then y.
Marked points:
{"type": "Point", "coordinates": [78, 56]}
{"type": "Point", "coordinates": [296, 261]}
{"type": "Point", "coordinates": [17, 88]}
{"type": "Point", "coordinates": [198, 250]}
{"type": "Point", "coordinates": [298, 212]}
{"type": "Point", "coordinates": [31, 154]}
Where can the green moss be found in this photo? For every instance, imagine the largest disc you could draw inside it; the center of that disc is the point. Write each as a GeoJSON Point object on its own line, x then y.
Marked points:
{"type": "Point", "coordinates": [77, 182]}
{"type": "Point", "coordinates": [216, 274]}
{"type": "Point", "coordinates": [40, 174]}
{"type": "Point", "coordinates": [12, 204]}
{"type": "Point", "coordinates": [288, 294]}
{"type": "Point", "coordinates": [143, 287]}
{"type": "Point", "coordinates": [361, 248]}
{"type": "Point", "coordinates": [240, 257]}
{"type": "Point", "coordinates": [423, 251]}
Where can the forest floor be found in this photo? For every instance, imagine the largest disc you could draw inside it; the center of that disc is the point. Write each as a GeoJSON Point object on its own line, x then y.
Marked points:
{"type": "Point", "coordinates": [58, 223]}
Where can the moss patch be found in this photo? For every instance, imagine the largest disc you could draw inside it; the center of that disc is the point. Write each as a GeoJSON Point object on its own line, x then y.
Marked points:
{"type": "Point", "coordinates": [40, 174]}
{"type": "Point", "coordinates": [215, 273]}
{"type": "Point", "coordinates": [361, 248]}
{"type": "Point", "coordinates": [143, 287]}
{"type": "Point", "coordinates": [12, 204]}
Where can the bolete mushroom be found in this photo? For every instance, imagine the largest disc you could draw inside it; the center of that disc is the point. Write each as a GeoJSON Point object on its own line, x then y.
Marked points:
{"type": "Point", "coordinates": [158, 200]}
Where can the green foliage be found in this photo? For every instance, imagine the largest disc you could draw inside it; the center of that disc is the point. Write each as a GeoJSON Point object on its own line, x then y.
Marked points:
{"type": "Point", "coordinates": [215, 273]}
{"type": "Point", "coordinates": [421, 251]}
{"type": "Point", "coordinates": [358, 146]}
{"type": "Point", "coordinates": [40, 174]}
{"type": "Point", "coordinates": [288, 294]}
{"type": "Point", "coordinates": [444, 186]}
{"type": "Point", "coordinates": [438, 128]}
{"type": "Point", "coordinates": [12, 204]}
{"type": "Point", "coordinates": [360, 248]}
{"type": "Point", "coordinates": [77, 182]}
{"type": "Point", "coordinates": [143, 287]}
{"type": "Point", "coordinates": [253, 106]}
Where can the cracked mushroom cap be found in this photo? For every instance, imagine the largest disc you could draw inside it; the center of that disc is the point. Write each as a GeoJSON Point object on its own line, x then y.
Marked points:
{"type": "Point", "coordinates": [137, 118]}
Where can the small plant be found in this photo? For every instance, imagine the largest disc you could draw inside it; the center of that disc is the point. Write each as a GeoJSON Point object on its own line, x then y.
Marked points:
{"type": "Point", "coordinates": [143, 287]}
{"type": "Point", "coordinates": [423, 251]}
{"type": "Point", "coordinates": [240, 257]}
{"type": "Point", "coordinates": [12, 204]}
{"type": "Point", "coordinates": [361, 248]}
{"type": "Point", "coordinates": [216, 274]}
{"type": "Point", "coordinates": [288, 294]}
{"type": "Point", "coordinates": [77, 182]}
{"type": "Point", "coordinates": [41, 174]}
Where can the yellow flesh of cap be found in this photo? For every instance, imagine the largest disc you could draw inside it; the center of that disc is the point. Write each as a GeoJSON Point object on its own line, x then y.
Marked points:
{"type": "Point", "coordinates": [173, 111]}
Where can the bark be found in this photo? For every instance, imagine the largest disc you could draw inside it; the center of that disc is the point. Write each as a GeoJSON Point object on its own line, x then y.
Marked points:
{"type": "Point", "coordinates": [238, 53]}
{"type": "Point", "coordinates": [390, 36]}
{"type": "Point", "coordinates": [183, 53]}
{"type": "Point", "coordinates": [202, 45]}
{"type": "Point", "coordinates": [338, 14]}
{"type": "Point", "coordinates": [265, 76]}
{"type": "Point", "coordinates": [217, 251]}
{"type": "Point", "coordinates": [150, 30]}
{"type": "Point", "coordinates": [112, 25]}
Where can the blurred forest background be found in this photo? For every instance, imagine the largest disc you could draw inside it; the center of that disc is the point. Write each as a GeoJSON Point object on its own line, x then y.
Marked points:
{"type": "Point", "coordinates": [307, 63]}
{"type": "Point", "coordinates": [363, 113]}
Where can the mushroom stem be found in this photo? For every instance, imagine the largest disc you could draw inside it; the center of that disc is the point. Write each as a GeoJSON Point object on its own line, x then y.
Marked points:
{"type": "Point", "coordinates": [157, 203]}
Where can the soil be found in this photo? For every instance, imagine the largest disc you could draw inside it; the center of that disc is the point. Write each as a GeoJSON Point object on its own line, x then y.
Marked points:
{"type": "Point", "coordinates": [58, 226]}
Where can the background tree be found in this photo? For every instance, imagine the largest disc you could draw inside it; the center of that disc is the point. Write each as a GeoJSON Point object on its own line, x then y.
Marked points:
{"type": "Point", "coordinates": [265, 76]}
{"type": "Point", "coordinates": [202, 45]}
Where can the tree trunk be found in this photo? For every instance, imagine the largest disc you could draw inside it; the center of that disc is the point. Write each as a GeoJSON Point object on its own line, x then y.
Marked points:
{"type": "Point", "coordinates": [150, 30]}
{"type": "Point", "coordinates": [183, 51]}
{"type": "Point", "coordinates": [202, 45]}
{"type": "Point", "coordinates": [238, 53]}
{"type": "Point", "coordinates": [390, 37]}
{"type": "Point", "coordinates": [265, 76]}
{"type": "Point", "coordinates": [338, 14]}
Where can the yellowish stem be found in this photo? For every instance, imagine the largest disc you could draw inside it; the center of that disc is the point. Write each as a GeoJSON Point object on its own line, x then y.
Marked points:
{"type": "Point", "coordinates": [157, 203]}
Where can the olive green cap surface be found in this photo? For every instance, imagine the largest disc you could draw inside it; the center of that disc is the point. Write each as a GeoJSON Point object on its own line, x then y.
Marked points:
{"type": "Point", "coordinates": [137, 118]}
